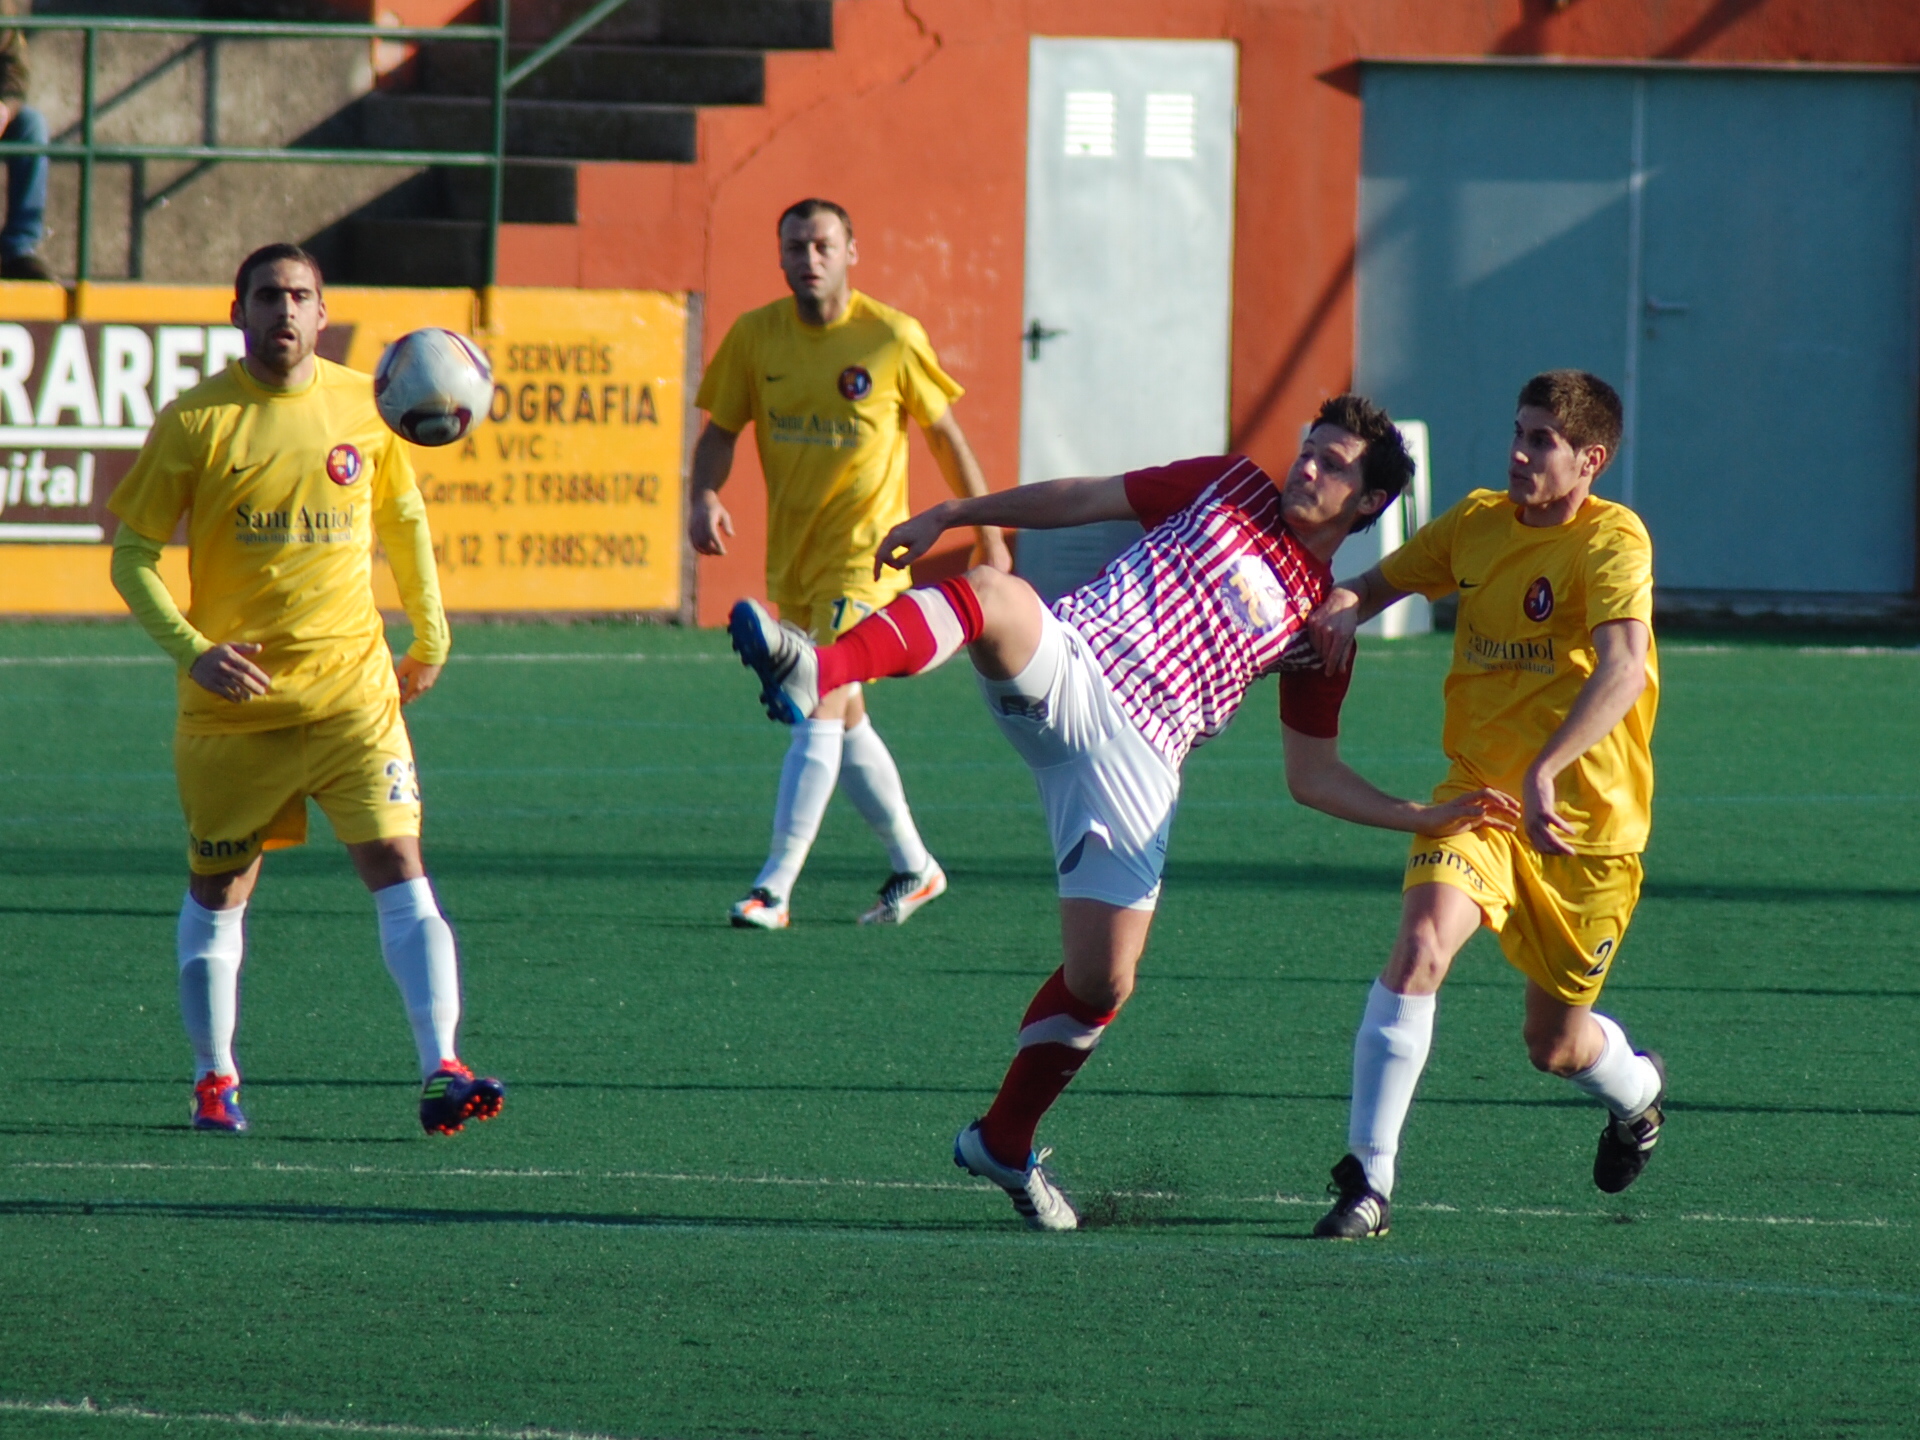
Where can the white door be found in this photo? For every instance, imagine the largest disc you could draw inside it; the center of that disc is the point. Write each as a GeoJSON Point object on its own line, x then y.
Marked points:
{"type": "Point", "coordinates": [1129, 272]}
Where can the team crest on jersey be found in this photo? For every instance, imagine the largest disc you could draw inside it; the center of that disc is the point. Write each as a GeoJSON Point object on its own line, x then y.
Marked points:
{"type": "Point", "coordinates": [855, 382]}
{"type": "Point", "coordinates": [1539, 601]}
{"type": "Point", "coordinates": [343, 464]}
{"type": "Point", "coordinates": [1254, 595]}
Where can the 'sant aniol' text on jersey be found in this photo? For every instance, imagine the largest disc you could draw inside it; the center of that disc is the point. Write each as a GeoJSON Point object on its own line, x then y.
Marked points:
{"type": "Point", "coordinates": [1215, 595]}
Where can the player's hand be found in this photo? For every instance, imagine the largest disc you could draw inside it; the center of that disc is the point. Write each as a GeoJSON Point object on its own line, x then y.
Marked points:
{"type": "Point", "coordinates": [1541, 817]}
{"type": "Point", "coordinates": [707, 523]}
{"type": "Point", "coordinates": [1332, 627]}
{"type": "Point", "coordinates": [1482, 810]}
{"type": "Point", "coordinates": [990, 548]}
{"type": "Point", "coordinates": [908, 541]}
{"type": "Point", "coordinates": [415, 677]}
{"type": "Point", "coordinates": [227, 671]}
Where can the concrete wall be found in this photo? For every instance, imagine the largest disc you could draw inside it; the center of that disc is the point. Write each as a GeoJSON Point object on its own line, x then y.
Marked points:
{"type": "Point", "coordinates": [917, 122]}
{"type": "Point", "coordinates": [180, 223]}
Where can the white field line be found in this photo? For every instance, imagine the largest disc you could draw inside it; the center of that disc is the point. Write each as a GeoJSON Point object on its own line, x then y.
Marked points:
{"type": "Point", "coordinates": [241, 1419]}
{"type": "Point", "coordinates": [822, 1182]}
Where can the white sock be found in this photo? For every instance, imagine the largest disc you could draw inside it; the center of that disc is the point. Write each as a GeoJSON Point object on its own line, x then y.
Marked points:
{"type": "Point", "coordinates": [806, 784]}
{"type": "Point", "coordinates": [1621, 1080]}
{"type": "Point", "coordinates": [1389, 1052]}
{"type": "Point", "coordinates": [211, 944]}
{"type": "Point", "coordinates": [418, 945]}
{"type": "Point", "coordinates": [869, 778]}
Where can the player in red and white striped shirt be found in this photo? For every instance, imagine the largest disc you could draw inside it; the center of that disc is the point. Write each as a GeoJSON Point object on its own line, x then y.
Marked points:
{"type": "Point", "coordinates": [1106, 692]}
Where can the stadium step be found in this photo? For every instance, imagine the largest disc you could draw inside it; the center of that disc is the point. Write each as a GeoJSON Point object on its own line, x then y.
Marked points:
{"type": "Point", "coordinates": [536, 129]}
{"type": "Point", "coordinates": [735, 24]}
{"type": "Point", "coordinates": [414, 251]}
{"type": "Point", "coordinates": [534, 194]}
{"type": "Point", "coordinates": [604, 74]}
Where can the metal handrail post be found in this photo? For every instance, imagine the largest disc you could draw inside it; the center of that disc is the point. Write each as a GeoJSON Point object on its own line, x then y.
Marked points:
{"type": "Point", "coordinates": [498, 199]}
{"type": "Point", "coordinates": [562, 40]}
{"type": "Point", "coordinates": [83, 242]}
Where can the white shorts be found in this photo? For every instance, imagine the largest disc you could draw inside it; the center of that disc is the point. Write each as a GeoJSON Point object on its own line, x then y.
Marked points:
{"type": "Point", "coordinates": [1109, 796]}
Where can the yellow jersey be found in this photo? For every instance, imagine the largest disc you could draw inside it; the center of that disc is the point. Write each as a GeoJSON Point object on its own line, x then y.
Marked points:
{"type": "Point", "coordinates": [828, 405]}
{"type": "Point", "coordinates": [282, 490]}
{"type": "Point", "coordinates": [1530, 598]}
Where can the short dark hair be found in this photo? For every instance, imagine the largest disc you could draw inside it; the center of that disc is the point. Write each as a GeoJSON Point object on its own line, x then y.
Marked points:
{"type": "Point", "coordinates": [1585, 407]}
{"type": "Point", "coordinates": [807, 209]}
{"type": "Point", "coordinates": [266, 255]}
{"type": "Point", "coordinates": [1384, 464]}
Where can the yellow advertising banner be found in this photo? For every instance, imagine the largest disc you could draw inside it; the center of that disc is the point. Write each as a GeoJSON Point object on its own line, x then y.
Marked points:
{"type": "Point", "coordinates": [568, 499]}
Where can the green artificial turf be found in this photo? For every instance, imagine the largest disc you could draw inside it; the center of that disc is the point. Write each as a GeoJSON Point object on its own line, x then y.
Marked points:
{"type": "Point", "coordinates": [720, 1201]}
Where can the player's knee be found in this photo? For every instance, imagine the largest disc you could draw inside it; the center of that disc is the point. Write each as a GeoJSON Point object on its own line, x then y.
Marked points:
{"type": "Point", "coordinates": [225, 890]}
{"type": "Point", "coordinates": [996, 588]}
{"type": "Point", "coordinates": [1552, 1052]}
{"type": "Point", "coordinates": [1419, 962]}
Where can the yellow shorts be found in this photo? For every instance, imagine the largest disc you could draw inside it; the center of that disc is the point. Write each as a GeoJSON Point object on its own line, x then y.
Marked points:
{"type": "Point", "coordinates": [247, 793]}
{"type": "Point", "coordinates": [828, 619]}
{"type": "Point", "coordinates": [1560, 918]}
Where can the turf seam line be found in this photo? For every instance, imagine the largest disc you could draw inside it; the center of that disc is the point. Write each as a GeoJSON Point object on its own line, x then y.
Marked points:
{"type": "Point", "coordinates": [245, 1419]}
{"type": "Point", "coordinates": [1104, 1238]}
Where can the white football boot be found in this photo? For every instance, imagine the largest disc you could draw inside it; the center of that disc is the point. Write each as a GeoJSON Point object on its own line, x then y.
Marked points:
{"type": "Point", "coordinates": [781, 656]}
{"type": "Point", "coordinates": [1041, 1203]}
{"type": "Point", "coordinates": [760, 910]}
{"type": "Point", "coordinates": [905, 893]}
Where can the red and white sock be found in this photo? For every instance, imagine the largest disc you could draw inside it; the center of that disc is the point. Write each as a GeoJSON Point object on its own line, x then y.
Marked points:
{"type": "Point", "coordinates": [918, 631]}
{"type": "Point", "coordinates": [1056, 1037]}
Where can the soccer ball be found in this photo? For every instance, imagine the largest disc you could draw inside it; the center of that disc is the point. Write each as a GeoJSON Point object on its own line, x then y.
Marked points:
{"type": "Point", "coordinates": [433, 386]}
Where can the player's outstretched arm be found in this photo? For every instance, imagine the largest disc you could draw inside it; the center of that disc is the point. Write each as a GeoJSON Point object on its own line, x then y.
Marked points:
{"type": "Point", "coordinates": [1338, 618]}
{"type": "Point", "coordinates": [1619, 676]}
{"type": "Point", "coordinates": [1050, 505]}
{"type": "Point", "coordinates": [1318, 778]}
{"type": "Point", "coordinates": [709, 526]}
{"type": "Point", "coordinates": [964, 477]}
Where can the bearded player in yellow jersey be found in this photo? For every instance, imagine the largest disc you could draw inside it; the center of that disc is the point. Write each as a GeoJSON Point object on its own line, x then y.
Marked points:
{"type": "Point", "coordinates": [1551, 699]}
{"type": "Point", "coordinates": [284, 474]}
{"type": "Point", "coordinates": [828, 379]}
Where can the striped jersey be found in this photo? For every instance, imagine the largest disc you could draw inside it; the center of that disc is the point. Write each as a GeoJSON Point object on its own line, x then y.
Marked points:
{"type": "Point", "coordinates": [1215, 595]}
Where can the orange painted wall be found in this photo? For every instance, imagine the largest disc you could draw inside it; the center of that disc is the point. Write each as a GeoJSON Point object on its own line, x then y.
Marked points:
{"type": "Point", "coordinates": [916, 122]}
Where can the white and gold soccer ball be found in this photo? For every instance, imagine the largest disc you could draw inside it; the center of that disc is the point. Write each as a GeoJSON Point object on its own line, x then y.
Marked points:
{"type": "Point", "coordinates": [433, 386]}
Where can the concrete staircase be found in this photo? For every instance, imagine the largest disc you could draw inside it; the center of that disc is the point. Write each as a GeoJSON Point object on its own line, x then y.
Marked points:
{"type": "Point", "coordinates": [630, 90]}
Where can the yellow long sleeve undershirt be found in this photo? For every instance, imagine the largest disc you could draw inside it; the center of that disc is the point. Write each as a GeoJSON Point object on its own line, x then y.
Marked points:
{"type": "Point", "coordinates": [136, 575]}
{"type": "Point", "coordinates": [402, 527]}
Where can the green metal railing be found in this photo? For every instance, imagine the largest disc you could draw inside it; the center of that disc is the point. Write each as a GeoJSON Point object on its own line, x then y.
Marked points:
{"type": "Point", "coordinates": [89, 151]}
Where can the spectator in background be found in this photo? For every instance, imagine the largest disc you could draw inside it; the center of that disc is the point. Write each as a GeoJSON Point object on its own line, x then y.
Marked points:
{"type": "Point", "coordinates": [26, 174]}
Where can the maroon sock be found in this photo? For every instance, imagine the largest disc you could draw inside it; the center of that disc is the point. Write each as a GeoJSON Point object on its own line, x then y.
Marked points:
{"type": "Point", "coordinates": [1056, 1037]}
{"type": "Point", "coordinates": [916, 632]}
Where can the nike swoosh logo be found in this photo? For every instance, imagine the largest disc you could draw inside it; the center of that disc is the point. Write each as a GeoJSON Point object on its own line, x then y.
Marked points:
{"type": "Point", "coordinates": [775, 379]}
{"type": "Point", "coordinates": [1468, 584]}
